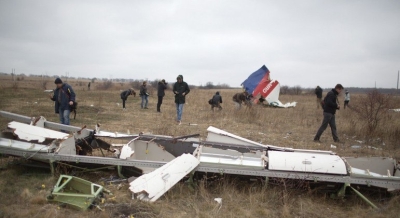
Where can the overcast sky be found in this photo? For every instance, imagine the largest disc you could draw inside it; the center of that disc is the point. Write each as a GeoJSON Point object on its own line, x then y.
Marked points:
{"type": "Point", "coordinates": [306, 43]}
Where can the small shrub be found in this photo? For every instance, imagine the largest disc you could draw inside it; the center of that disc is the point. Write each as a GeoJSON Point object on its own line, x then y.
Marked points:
{"type": "Point", "coordinates": [14, 85]}
{"type": "Point", "coordinates": [105, 85]}
{"type": "Point", "coordinates": [371, 110]}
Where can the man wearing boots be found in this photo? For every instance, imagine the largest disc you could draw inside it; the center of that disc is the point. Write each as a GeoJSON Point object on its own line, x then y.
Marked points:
{"type": "Point", "coordinates": [330, 107]}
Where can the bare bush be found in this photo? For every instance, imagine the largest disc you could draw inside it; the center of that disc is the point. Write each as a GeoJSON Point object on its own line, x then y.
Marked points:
{"type": "Point", "coordinates": [44, 84]}
{"type": "Point", "coordinates": [15, 85]}
{"type": "Point", "coordinates": [136, 84]}
{"type": "Point", "coordinates": [371, 109]}
{"type": "Point", "coordinates": [284, 90]}
{"type": "Point", "coordinates": [105, 85]}
{"type": "Point", "coordinates": [295, 90]}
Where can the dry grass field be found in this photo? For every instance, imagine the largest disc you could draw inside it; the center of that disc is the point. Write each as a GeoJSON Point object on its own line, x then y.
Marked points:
{"type": "Point", "coordinates": [21, 194]}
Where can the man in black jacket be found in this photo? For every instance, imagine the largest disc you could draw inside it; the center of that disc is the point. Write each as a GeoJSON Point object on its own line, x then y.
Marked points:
{"type": "Point", "coordinates": [64, 97]}
{"type": "Point", "coordinates": [181, 89]}
{"type": "Point", "coordinates": [125, 94]}
{"type": "Point", "coordinates": [216, 101]}
{"type": "Point", "coordinates": [318, 93]}
{"type": "Point", "coordinates": [162, 86]}
{"type": "Point", "coordinates": [330, 107]}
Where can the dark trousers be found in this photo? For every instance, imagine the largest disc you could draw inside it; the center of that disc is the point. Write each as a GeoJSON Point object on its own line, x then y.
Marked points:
{"type": "Point", "coordinates": [217, 105]}
{"type": "Point", "coordinates": [123, 103]}
{"type": "Point", "coordinates": [328, 119]}
{"type": "Point", "coordinates": [159, 103]}
{"type": "Point", "coordinates": [346, 103]}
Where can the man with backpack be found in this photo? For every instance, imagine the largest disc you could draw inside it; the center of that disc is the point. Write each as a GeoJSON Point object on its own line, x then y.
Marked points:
{"type": "Point", "coordinates": [330, 105]}
{"type": "Point", "coordinates": [64, 98]}
{"type": "Point", "coordinates": [216, 101]}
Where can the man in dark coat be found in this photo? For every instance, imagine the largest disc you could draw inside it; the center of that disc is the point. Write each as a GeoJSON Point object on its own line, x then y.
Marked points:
{"type": "Point", "coordinates": [330, 107]}
{"type": "Point", "coordinates": [216, 101]}
{"type": "Point", "coordinates": [162, 86]}
{"type": "Point", "coordinates": [318, 93]}
{"type": "Point", "coordinates": [125, 94]}
{"type": "Point", "coordinates": [240, 98]}
{"type": "Point", "coordinates": [64, 97]}
{"type": "Point", "coordinates": [181, 89]}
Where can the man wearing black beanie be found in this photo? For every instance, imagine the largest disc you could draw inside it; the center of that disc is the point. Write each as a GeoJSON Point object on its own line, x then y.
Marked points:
{"type": "Point", "coordinates": [64, 97]}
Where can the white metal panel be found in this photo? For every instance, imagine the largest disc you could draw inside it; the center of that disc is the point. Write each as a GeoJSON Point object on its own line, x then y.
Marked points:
{"type": "Point", "coordinates": [113, 134]}
{"type": "Point", "coordinates": [67, 147]}
{"type": "Point", "coordinates": [306, 162]}
{"type": "Point", "coordinates": [218, 135]}
{"type": "Point", "coordinates": [379, 165]}
{"type": "Point", "coordinates": [29, 133]}
{"type": "Point", "coordinates": [365, 172]}
{"type": "Point", "coordinates": [153, 185]}
{"type": "Point", "coordinates": [145, 150]}
{"type": "Point", "coordinates": [231, 157]}
{"type": "Point", "coordinates": [9, 143]}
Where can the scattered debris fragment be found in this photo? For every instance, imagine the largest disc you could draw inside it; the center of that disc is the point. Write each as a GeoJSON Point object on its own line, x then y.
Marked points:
{"type": "Point", "coordinates": [76, 192]}
{"type": "Point", "coordinates": [152, 186]}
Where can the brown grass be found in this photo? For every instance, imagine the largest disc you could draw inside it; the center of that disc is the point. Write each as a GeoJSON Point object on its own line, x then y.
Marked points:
{"type": "Point", "coordinates": [22, 195]}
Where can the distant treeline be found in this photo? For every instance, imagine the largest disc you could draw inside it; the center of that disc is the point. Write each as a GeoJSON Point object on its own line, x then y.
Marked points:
{"type": "Point", "coordinates": [351, 90]}
{"type": "Point", "coordinates": [104, 83]}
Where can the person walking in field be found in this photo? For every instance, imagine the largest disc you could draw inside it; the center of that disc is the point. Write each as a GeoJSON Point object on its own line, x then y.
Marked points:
{"type": "Point", "coordinates": [125, 94]}
{"type": "Point", "coordinates": [346, 99]}
{"type": "Point", "coordinates": [144, 95]}
{"type": "Point", "coordinates": [318, 93]}
{"type": "Point", "coordinates": [181, 89]}
{"type": "Point", "coordinates": [330, 106]}
{"type": "Point", "coordinates": [162, 86]}
{"type": "Point", "coordinates": [240, 98]}
{"type": "Point", "coordinates": [64, 98]}
{"type": "Point", "coordinates": [216, 101]}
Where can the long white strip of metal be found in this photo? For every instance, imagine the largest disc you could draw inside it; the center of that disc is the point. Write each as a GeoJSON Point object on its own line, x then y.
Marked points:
{"type": "Point", "coordinates": [388, 182]}
{"type": "Point", "coordinates": [47, 124]}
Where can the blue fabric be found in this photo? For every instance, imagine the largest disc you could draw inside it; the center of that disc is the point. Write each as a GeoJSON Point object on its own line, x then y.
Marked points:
{"type": "Point", "coordinates": [179, 110]}
{"type": "Point", "coordinates": [64, 116]}
{"type": "Point", "coordinates": [254, 79]}
{"type": "Point", "coordinates": [144, 101]}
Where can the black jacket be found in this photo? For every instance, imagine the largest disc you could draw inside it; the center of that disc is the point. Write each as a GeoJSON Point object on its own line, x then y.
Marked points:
{"type": "Point", "coordinates": [217, 99]}
{"type": "Point", "coordinates": [62, 96]}
{"type": "Point", "coordinates": [179, 89]}
{"type": "Point", "coordinates": [125, 94]}
{"type": "Point", "coordinates": [318, 92]}
{"type": "Point", "coordinates": [330, 102]}
{"type": "Point", "coordinates": [161, 88]}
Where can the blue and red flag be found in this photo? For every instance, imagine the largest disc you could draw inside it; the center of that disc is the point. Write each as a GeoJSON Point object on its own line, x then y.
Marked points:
{"type": "Point", "coordinates": [257, 81]}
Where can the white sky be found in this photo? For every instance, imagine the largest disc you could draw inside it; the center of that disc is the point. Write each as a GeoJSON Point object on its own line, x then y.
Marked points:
{"type": "Point", "coordinates": [306, 43]}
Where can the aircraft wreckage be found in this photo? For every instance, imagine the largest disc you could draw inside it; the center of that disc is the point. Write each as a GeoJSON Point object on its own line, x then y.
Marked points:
{"type": "Point", "coordinates": [162, 161]}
